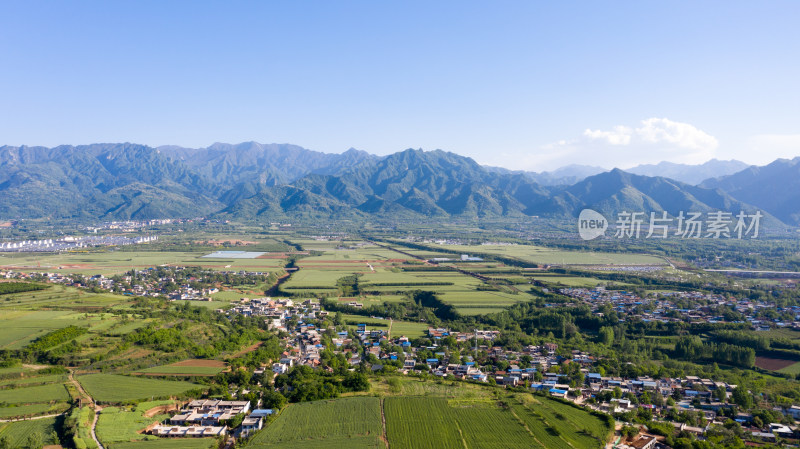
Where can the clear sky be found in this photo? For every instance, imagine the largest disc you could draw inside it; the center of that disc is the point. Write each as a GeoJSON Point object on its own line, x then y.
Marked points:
{"type": "Point", "coordinates": [524, 85]}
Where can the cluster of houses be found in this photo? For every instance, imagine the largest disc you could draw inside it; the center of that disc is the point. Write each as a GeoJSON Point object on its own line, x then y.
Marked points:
{"type": "Point", "coordinates": [142, 284]}
{"type": "Point", "coordinates": [210, 418]}
{"type": "Point", "coordinates": [671, 306]}
{"type": "Point", "coordinates": [71, 243]}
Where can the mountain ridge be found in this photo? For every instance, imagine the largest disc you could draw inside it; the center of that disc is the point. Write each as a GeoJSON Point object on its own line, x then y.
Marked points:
{"type": "Point", "coordinates": [256, 181]}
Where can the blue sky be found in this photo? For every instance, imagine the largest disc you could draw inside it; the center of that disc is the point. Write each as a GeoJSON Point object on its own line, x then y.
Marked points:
{"type": "Point", "coordinates": [526, 85]}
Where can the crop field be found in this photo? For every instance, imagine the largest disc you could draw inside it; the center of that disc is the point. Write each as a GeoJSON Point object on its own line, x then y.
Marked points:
{"type": "Point", "coordinates": [314, 278]}
{"type": "Point", "coordinates": [409, 329]}
{"type": "Point", "coordinates": [19, 432]}
{"type": "Point", "coordinates": [109, 262]}
{"type": "Point", "coordinates": [32, 409]}
{"type": "Point", "coordinates": [115, 388]}
{"type": "Point", "coordinates": [398, 328]}
{"type": "Point", "coordinates": [29, 395]}
{"type": "Point", "coordinates": [556, 425]}
{"type": "Point", "coordinates": [346, 422]}
{"type": "Point", "coordinates": [542, 255]}
{"type": "Point", "coordinates": [413, 422]}
{"type": "Point", "coordinates": [434, 422]}
{"type": "Point", "coordinates": [190, 367]}
{"type": "Point", "coordinates": [22, 327]}
{"type": "Point", "coordinates": [117, 425]}
{"type": "Point", "coordinates": [59, 296]}
{"type": "Point", "coordinates": [46, 379]}
{"type": "Point", "coordinates": [162, 443]}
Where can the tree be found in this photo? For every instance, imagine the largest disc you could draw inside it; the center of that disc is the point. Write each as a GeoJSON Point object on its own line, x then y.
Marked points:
{"type": "Point", "coordinates": [606, 335]}
{"type": "Point", "coordinates": [274, 400]}
{"type": "Point", "coordinates": [34, 441]}
{"type": "Point", "coordinates": [5, 443]}
{"type": "Point", "coordinates": [356, 382]}
{"type": "Point", "coordinates": [742, 398]}
{"type": "Point", "coordinates": [720, 394]}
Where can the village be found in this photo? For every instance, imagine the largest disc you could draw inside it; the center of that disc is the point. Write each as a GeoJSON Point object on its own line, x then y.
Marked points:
{"type": "Point", "coordinates": [310, 335]}
{"type": "Point", "coordinates": [687, 307]}
{"type": "Point", "coordinates": [691, 403]}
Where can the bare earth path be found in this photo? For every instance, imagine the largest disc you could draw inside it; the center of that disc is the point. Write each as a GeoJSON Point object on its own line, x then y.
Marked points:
{"type": "Point", "coordinates": [91, 403]}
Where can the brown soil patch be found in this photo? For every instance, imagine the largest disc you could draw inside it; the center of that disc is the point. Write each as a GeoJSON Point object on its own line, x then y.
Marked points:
{"type": "Point", "coordinates": [201, 363]}
{"type": "Point", "coordinates": [222, 242]}
{"type": "Point", "coordinates": [34, 367]}
{"type": "Point", "coordinates": [76, 266]}
{"type": "Point", "coordinates": [172, 374]}
{"type": "Point", "coordinates": [773, 364]}
{"type": "Point", "coordinates": [248, 349]}
{"type": "Point", "coordinates": [163, 409]}
{"type": "Point", "coordinates": [131, 354]}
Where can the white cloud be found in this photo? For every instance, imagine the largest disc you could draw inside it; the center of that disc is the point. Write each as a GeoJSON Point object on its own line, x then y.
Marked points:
{"type": "Point", "coordinates": [652, 141]}
{"type": "Point", "coordinates": [620, 135]}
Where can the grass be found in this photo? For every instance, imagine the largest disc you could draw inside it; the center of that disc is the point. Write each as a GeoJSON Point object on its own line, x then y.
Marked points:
{"type": "Point", "coordinates": [345, 422]}
{"type": "Point", "coordinates": [19, 432]}
{"type": "Point", "coordinates": [117, 425]}
{"type": "Point", "coordinates": [119, 389]}
{"type": "Point", "coordinates": [791, 369]}
{"type": "Point", "coordinates": [30, 395]}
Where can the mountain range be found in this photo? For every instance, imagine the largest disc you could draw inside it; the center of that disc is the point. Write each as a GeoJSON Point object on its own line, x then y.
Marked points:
{"type": "Point", "coordinates": [252, 181]}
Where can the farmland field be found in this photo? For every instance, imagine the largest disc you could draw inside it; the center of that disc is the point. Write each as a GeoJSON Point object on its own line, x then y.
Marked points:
{"type": "Point", "coordinates": [121, 425]}
{"type": "Point", "coordinates": [347, 422]}
{"type": "Point", "coordinates": [40, 393]}
{"type": "Point", "coordinates": [542, 255]}
{"type": "Point", "coordinates": [110, 262]}
{"type": "Point", "coordinates": [33, 409]}
{"type": "Point", "coordinates": [178, 443]}
{"type": "Point", "coordinates": [19, 432]}
{"type": "Point", "coordinates": [52, 378]}
{"type": "Point", "coordinates": [188, 368]}
{"type": "Point", "coordinates": [431, 422]}
{"type": "Point", "coordinates": [115, 388]}
{"type": "Point", "coordinates": [413, 422]}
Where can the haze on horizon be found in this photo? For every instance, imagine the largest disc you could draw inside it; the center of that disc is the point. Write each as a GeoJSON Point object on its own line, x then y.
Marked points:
{"type": "Point", "coordinates": [520, 85]}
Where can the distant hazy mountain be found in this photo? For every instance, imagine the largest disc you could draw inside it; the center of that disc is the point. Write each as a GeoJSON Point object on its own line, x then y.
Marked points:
{"type": "Point", "coordinates": [266, 164]}
{"type": "Point", "coordinates": [563, 176]}
{"type": "Point", "coordinates": [568, 175]}
{"type": "Point", "coordinates": [774, 188]}
{"type": "Point", "coordinates": [690, 174]}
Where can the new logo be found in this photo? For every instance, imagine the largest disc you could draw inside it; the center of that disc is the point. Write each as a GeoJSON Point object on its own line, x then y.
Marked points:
{"type": "Point", "coordinates": [591, 224]}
